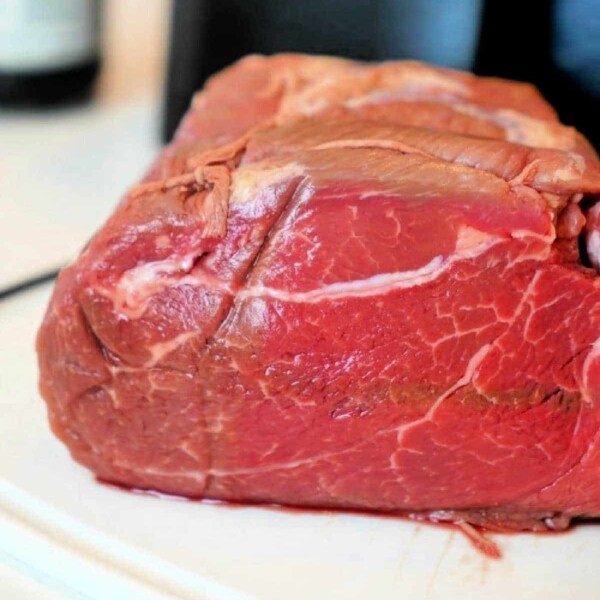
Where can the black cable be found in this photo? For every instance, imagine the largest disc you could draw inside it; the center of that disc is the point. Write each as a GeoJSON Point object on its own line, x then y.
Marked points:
{"type": "Point", "coordinates": [23, 286]}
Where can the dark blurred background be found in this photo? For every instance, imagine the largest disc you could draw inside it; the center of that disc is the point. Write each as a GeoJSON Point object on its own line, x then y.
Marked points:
{"type": "Point", "coordinates": [552, 43]}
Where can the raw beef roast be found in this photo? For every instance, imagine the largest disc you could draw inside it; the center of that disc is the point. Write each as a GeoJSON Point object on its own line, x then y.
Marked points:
{"type": "Point", "coordinates": [345, 285]}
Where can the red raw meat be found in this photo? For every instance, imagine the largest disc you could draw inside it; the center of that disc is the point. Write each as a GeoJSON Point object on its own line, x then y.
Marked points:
{"type": "Point", "coordinates": [345, 285]}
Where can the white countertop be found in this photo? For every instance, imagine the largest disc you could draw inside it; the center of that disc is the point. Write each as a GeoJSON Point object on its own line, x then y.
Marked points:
{"type": "Point", "coordinates": [61, 174]}
{"type": "Point", "coordinates": [62, 171]}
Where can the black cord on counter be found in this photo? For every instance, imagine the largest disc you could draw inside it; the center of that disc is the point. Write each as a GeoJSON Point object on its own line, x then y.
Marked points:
{"type": "Point", "coordinates": [23, 286]}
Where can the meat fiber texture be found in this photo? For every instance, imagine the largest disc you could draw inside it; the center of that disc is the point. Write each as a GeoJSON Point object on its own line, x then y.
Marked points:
{"type": "Point", "coordinates": [350, 286]}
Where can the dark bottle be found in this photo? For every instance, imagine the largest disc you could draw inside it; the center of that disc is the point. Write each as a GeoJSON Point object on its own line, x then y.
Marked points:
{"type": "Point", "coordinates": [49, 50]}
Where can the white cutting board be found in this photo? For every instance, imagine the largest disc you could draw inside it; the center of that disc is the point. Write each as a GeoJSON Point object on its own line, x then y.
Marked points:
{"type": "Point", "coordinates": [62, 535]}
